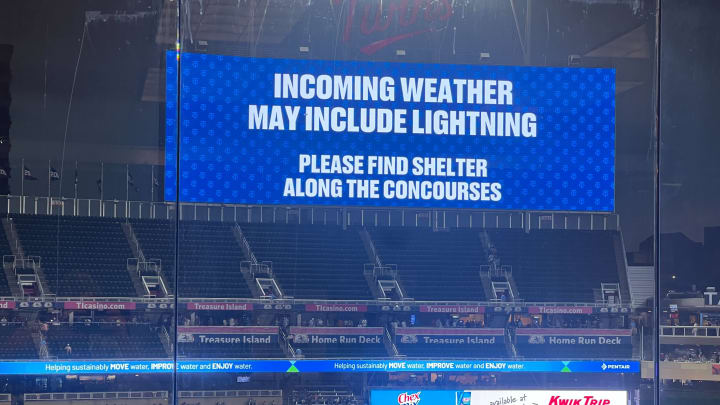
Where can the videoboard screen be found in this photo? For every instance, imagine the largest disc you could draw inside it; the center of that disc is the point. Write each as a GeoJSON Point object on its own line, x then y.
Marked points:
{"type": "Point", "coordinates": [378, 134]}
{"type": "Point", "coordinates": [497, 397]}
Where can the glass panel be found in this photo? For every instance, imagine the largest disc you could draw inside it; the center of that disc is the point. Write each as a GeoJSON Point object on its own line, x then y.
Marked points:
{"type": "Point", "coordinates": [336, 202]}
{"type": "Point", "coordinates": [414, 196]}
{"type": "Point", "coordinates": [688, 244]}
{"type": "Point", "coordinates": [86, 309]}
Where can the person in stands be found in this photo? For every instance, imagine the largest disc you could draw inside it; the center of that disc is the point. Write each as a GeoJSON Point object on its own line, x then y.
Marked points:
{"type": "Point", "coordinates": [68, 350]}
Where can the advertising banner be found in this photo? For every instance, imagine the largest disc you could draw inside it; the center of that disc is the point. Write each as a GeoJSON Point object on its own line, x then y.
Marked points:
{"type": "Point", "coordinates": [535, 397]}
{"type": "Point", "coordinates": [449, 336]}
{"type": "Point", "coordinates": [7, 304]}
{"type": "Point", "coordinates": [99, 306]}
{"type": "Point", "coordinates": [245, 335]}
{"type": "Point", "coordinates": [350, 336]}
{"type": "Point", "coordinates": [574, 337]}
{"type": "Point", "coordinates": [218, 306]}
{"type": "Point", "coordinates": [335, 308]}
{"type": "Point", "coordinates": [312, 366]}
{"type": "Point", "coordinates": [560, 310]}
{"type": "Point", "coordinates": [352, 133]}
{"type": "Point", "coordinates": [453, 309]}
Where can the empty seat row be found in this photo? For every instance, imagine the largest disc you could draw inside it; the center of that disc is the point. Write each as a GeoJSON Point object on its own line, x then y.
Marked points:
{"type": "Point", "coordinates": [312, 261]}
{"type": "Point", "coordinates": [104, 341]}
{"type": "Point", "coordinates": [16, 343]}
{"type": "Point", "coordinates": [81, 257]}
{"type": "Point", "coordinates": [209, 256]}
{"type": "Point", "coordinates": [87, 256]}
{"type": "Point", "coordinates": [558, 265]}
{"type": "Point", "coordinates": [434, 265]}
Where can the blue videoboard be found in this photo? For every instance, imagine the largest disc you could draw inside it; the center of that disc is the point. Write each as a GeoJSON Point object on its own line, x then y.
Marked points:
{"type": "Point", "coordinates": [379, 134]}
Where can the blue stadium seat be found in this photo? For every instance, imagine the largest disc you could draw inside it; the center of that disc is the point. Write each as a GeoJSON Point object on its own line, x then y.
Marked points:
{"type": "Point", "coordinates": [105, 341]}
{"type": "Point", "coordinates": [157, 241]}
{"type": "Point", "coordinates": [4, 250]}
{"type": "Point", "coordinates": [209, 256]}
{"type": "Point", "coordinates": [17, 343]}
{"type": "Point", "coordinates": [81, 256]}
{"type": "Point", "coordinates": [312, 261]}
{"type": "Point", "coordinates": [558, 265]}
{"type": "Point", "coordinates": [434, 265]}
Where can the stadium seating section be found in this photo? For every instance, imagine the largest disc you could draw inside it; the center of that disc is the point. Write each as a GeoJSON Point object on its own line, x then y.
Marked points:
{"type": "Point", "coordinates": [156, 239]}
{"type": "Point", "coordinates": [87, 257]}
{"type": "Point", "coordinates": [434, 265]}
{"type": "Point", "coordinates": [16, 343]}
{"type": "Point", "coordinates": [105, 341]}
{"type": "Point", "coordinates": [4, 250]}
{"type": "Point", "coordinates": [312, 261]}
{"type": "Point", "coordinates": [209, 257]}
{"type": "Point", "coordinates": [81, 257]}
{"type": "Point", "coordinates": [546, 264]}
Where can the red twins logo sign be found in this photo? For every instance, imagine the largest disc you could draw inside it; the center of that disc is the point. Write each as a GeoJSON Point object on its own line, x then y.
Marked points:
{"type": "Point", "coordinates": [409, 399]}
{"type": "Point", "coordinates": [408, 18]}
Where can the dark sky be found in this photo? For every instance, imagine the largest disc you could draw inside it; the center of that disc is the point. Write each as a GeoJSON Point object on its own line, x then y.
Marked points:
{"type": "Point", "coordinates": [109, 120]}
{"type": "Point", "coordinates": [690, 107]}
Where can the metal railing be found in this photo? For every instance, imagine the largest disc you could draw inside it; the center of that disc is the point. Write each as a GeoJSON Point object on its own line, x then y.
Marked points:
{"type": "Point", "coordinates": [290, 301]}
{"type": "Point", "coordinates": [704, 331]}
{"type": "Point", "coordinates": [28, 262]}
{"type": "Point", "coordinates": [286, 343]}
{"type": "Point", "coordinates": [13, 237]}
{"type": "Point", "coordinates": [230, 393]}
{"type": "Point", "coordinates": [244, 244]}
{"type": "Point", "coordinates": [132, 237]}
{"type": "Point", "coordinates": [406, 217]}
{"type": "Point", "coordinates": [264, 268]}
{"type": "Point", "coordinates": [504, 271]}
{"type": "Point", "coordinates": [95, 395]}
{"type": "Point", "coordinates": [166, 341]}
{"type": "Point", "coordinates": [391, 342]}
{"type": "Point", "coordinates": [25, 263]}
{"type": "Point", "coordinates": [44, 354]}
{"type": "Point", "coordinates": [153, 266]}
{"type": "Point", "coordinates": [386, 270]}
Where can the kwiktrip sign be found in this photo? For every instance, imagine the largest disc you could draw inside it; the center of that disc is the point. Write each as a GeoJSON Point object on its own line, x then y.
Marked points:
{"type": "Point", "coordinates": [536, 397]}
